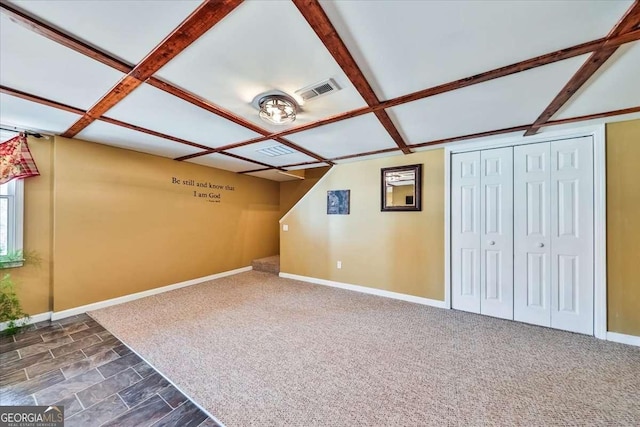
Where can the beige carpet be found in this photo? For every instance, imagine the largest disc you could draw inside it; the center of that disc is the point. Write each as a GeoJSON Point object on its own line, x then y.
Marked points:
{"type": "Point", "coordinates": [258, 350]}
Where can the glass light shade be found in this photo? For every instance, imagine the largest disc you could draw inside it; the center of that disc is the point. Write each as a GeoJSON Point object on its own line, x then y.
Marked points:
{"type": "Point", "coordinates": [277, 110]}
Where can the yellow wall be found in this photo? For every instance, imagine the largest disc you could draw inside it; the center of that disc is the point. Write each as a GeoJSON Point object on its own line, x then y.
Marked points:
{"type": "Point", "coordinates": [117, 224]}
{"type": "Point", "coordinates": [292, 191]}
{"type": "Point", "coordinates": [623, 227]}
{"type": "Point", "coordinates": [34, 281]}
{"type": "Point", "coordinates": [395, 251]}
{"type": "Point", "coordinates": [121, 225]}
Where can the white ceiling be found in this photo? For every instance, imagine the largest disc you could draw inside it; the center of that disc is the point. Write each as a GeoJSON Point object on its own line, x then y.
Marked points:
{"type": "Point", "coordinates": [36, 65]}
{"type": "Point", "coordinates": [221, 161]}
{"type": "Point", "coordinates": [112, 29]}
{"type": "Point", "coordinates": [400, 46]}
{"type": "Point", "coordinates": [18, 112]}
{"type": "Point", "coordinates": [251, 152]}
{"type": "Point", "coordinates": [357, 135]}
{"type": "Point", "coordinates": [427, 43]}
{"type": "Point", "coordinates": [242, 57]}
{"type": "Point", "coordinates": [155, 109]}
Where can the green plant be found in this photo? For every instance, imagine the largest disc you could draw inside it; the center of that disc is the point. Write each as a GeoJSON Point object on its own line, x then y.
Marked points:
{"type": "Point", "coordinates": [10, 307]}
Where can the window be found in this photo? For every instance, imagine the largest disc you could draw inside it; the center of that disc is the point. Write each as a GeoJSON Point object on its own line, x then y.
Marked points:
{"type": "Point", "coordinates": [11, 215]}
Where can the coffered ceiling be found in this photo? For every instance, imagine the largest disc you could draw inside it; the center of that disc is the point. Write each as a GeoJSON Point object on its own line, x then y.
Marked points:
{"type": "Point", "coordinates": [177, 78]}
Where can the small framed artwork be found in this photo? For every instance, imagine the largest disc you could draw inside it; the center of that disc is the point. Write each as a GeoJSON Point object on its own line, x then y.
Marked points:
{"type": "Point", "coordinates": [338, 202]}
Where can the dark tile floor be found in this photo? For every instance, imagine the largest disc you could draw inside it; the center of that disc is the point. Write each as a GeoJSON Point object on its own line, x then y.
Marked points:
{"type": "Point", "coordinates": [76, 363]}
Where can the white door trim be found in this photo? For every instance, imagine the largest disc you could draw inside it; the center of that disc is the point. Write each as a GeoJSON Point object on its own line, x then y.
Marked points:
{"type": "Point", "coordinates": [600, 232]}
{"type": "Point", "coordinates": [600, 207]}
{"type": "Point", "coordinates": [447, 229]}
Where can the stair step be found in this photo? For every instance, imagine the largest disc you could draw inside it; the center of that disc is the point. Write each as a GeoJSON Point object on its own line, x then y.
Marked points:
{"type": "Point", "coordinates": [267, 265]}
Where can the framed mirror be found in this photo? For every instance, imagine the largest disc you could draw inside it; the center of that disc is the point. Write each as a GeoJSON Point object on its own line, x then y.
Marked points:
{"type": "Point", "coordinates": [401, 188]}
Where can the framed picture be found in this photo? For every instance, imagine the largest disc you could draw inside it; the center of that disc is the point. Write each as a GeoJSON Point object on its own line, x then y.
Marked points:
{"type": "Point", "coordinates": [338, 202]}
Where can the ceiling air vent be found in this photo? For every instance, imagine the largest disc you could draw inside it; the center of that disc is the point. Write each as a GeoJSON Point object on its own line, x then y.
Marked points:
{"type": "Point", "coordinates": [275, 151]}
{"type": "Point", "coordinates": [316, 90]}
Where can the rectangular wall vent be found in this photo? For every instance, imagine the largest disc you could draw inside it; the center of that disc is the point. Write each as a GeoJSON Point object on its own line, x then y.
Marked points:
{"type": "Point", "coordinates": [319, 89]}
{"type": "Point", "coordinates": [276, 150]}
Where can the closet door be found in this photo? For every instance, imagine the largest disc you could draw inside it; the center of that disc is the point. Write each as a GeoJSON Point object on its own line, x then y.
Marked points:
{"type": "Point", "coordinates": [496, 243]}
{"type": "Point", "coordinates": [572, 235]}
{"type": "Point", "coordinates": [465, 231]}
{"type": "Point", "coordinates": [532, 263]}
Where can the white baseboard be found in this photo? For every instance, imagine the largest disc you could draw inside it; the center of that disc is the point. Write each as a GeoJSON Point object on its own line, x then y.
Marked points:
{"type": "Point", "coordinates": [119, 300]}
{"type": "Point", "coordinates": [28, 321]}
{"type": "Point", "coordinates": [366, 290]}
{"type": "Point", "coordinates": [623, 339]}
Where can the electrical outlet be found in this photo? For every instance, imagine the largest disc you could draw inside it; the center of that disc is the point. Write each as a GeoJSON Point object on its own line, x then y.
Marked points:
{"type": "Point", "coordinates": [339, 264]}
{"type": "Point", "coordinates": [285, 227]}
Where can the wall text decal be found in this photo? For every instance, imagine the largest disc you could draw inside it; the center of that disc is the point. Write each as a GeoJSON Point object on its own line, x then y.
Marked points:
{"type": "Point", "coordinates": [205, 190]}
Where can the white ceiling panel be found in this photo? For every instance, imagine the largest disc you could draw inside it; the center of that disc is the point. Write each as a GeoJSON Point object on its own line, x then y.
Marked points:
{"type": "Point", "coordinates": [20, 113]}
{"type": "Point", "coordinates": [113, 25]}
{"type": "Point", "coordinates": [406, 46]}
{"type": "Point", "coordinates": [155, 109]}
{"type": "Point", "coordinates": [220, 161]}
{"type": "Point", "coordinates": [273, 175]}
{"type": "Point", "coordinates": [251, 152]}
{"type": "Point", "coordinates": [616, 85]}
{"type": "Point", "coordinates": [357, 135]}
{"type": "Point", "coordinates": [243, 56]}
{"type": "Point", "coordinates": [42, 67]}
{"type": "Point", "coordinates": [121, 137]}
{"type": "Point", "coordinates": [497, 104]}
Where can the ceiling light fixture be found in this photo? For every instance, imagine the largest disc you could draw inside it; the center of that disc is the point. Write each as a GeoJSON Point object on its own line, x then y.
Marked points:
{"type": "Point", "coordinates": [276, 108]}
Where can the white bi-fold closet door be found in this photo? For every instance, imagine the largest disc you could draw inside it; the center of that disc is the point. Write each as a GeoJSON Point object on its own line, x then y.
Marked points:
{"type": "Point", "coordinates": [522, 233]}
{"type": "Point", "coordinates": [482, 232]}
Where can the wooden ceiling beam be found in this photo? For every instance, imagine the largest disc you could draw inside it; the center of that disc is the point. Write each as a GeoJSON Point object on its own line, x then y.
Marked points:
{"type": "Point", "coordinates": [152, 132]}
{"type": "Point", "coordinates": [32, 24]}
{"type": "Point", "coordinates": [235, 156]}
{"type": "Point", "coordinates": [212, 108]}
{"type": "Point", "coordinates": [629, 22]}
{"type": "Point", "coordinates": [39, 100]}
{"type": "Point", "coordinates": [201, 20]}
{"type": "Point", "coordinates": [620, 112]}
{"type": "Point", "coordinates": [124, 87]}
{"type": "Point", "coordinates": [324, 29]}
{"type": "Point", "coordinates": [208, 14]}
{"type": "Point", "coordinates": [471, 136]}
{"type": "Point", "coordinates": [498, 132]}
{"type": "Point", "coordinates": [67, 40]}
{"type": "Point", "coordinates": [546, 59]}
{"type": "Point", "coordinates": [257, 170]}
{"type": "Point", "coordinates": [283, 167]}
{"type": "Point", "coordinates": [49, 103]}
{"type": "Point", "coordinates": [370, 153]}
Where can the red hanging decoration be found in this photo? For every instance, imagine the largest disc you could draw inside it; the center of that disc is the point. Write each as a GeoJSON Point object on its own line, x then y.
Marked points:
{"type": "Point", "coordinates": [16, 160]}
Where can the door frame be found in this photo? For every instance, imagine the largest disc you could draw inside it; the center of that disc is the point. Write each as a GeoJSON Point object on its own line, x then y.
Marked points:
{"type": "Point", "coordinates": [600, 207]}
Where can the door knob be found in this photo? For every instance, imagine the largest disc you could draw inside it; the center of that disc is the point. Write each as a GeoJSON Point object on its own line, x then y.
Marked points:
{"type": "Point", "coordinates": [491, 242]}
{"type": "Point", "coordinates": [541, 245]}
